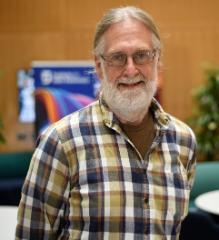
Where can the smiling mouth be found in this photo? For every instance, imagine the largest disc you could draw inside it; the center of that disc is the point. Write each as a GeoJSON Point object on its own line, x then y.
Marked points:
{"type": "Point", "coordinates": [130, 85]}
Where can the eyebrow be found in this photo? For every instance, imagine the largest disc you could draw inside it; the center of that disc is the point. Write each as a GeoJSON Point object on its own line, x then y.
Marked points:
{"type": "Point", "coordinates": [121, 52]}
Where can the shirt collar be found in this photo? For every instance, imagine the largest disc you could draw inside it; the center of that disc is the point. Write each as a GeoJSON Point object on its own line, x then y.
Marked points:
{"type": "Point", "coordinates": [161, 117]}
{"type": "Point", "coordinates": [109, 117]}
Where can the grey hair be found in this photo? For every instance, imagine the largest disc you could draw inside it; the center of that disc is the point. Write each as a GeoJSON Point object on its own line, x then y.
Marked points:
{"type": "Point", "coordinates": [116, 15]}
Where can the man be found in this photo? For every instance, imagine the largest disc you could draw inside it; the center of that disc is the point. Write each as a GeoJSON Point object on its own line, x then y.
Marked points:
{"type": "Point", "coordinates": [121, 168]}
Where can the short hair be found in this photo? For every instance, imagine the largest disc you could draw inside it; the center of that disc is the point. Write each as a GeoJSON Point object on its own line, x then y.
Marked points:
{"type": "Point", "coordinates": [116, 15]}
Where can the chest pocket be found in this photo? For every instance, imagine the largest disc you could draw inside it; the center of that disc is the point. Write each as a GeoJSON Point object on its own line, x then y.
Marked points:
{"type": "Point", "coordinates": [170, 190]}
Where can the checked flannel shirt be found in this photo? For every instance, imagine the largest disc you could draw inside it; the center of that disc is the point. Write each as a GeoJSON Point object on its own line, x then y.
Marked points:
{"type": "Point", "coordinates": [88, 181]}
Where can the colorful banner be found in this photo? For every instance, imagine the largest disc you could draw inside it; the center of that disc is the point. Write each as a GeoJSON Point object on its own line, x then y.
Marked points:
{"type": "Point", "coordinates": [62, 88]}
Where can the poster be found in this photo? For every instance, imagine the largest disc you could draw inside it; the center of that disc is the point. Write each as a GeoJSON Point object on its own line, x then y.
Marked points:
{"type": "Point", "coordinates": [61, 88]}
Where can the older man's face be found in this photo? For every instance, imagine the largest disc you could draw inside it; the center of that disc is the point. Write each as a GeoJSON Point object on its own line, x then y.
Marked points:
{"type": "Point", "coordinates": [135, 80]}
{"type": "Point", "coordinates": [128, 37]}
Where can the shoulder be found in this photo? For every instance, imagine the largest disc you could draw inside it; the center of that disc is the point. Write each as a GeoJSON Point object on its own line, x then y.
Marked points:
{"type": "Point", "coordinates": [179, 132]}
{"type": "Point", "coordinates": [70, 125]}
{"type": "Point", "coordinates": [180, 127]}
{"type": "Point", "coordinates": [176, 129]}
{"type": "Point", "coordinates": [84, 115]}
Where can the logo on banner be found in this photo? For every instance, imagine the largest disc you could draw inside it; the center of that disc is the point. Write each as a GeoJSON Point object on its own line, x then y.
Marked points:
{"type": "Point", "coordinates": [46, 77]}
{"type": "Point", "coordinates": [62, 77]}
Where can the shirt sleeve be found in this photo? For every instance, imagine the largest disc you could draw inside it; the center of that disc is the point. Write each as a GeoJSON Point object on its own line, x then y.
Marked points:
{"type": "Point", "coordinates": [44, 202]}
{"type": "Point", "coordinates": [191, 166]}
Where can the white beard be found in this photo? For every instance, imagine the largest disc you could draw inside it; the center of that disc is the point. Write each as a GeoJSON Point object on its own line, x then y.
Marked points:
{"type": "Point", "coordinates": [129, 105]}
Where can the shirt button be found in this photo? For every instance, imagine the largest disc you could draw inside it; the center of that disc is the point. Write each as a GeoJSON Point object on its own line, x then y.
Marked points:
{"type": "Point", "coordinates": [145, 199]}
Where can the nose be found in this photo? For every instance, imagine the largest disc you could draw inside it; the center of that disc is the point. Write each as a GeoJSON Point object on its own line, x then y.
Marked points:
{"type": "Point", "coordinates": [130, 68]}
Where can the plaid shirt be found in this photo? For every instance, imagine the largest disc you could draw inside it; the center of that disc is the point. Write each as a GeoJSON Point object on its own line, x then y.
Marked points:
{"type": "Point", "coordinates": [88, 181]}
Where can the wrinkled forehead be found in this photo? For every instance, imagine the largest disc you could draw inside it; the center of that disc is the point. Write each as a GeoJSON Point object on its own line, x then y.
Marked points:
{"type": "Point", "coordinates": [128, 34]}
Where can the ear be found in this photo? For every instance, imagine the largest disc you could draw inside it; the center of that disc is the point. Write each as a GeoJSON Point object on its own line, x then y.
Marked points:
{"type": "Point", "coordinates": [98, 67]}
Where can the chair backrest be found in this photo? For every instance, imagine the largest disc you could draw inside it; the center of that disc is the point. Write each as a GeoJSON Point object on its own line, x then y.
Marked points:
{"type": "Point", "coordinates": [206, 178]}
{"type": "Point", "coordinates": [14, 164]}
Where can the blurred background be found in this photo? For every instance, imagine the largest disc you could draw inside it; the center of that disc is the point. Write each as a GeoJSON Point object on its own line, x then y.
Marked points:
{"type": "Point", "coordinates": [63, 30]}
{"type": "Point", "coordinates": [35, 31]}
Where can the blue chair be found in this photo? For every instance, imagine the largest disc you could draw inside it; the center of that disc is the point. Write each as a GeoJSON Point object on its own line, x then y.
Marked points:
{"type": "Point", "coordinates": [13, 169]}
{"type": "Point", "coordinates": [206, 180]}
{"type": "Point", "coordinates": [198, 224]}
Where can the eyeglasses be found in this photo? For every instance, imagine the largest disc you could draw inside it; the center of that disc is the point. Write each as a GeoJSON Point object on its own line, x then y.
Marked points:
{"type": "Point", "coordinates": [140, 57]}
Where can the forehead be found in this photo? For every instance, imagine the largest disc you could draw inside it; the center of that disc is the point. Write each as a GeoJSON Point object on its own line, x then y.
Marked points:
{"type": "Point", "coordinates": [127, 35]}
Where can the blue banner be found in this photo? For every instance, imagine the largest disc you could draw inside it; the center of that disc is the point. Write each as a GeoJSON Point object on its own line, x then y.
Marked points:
{"type": "Point", "coordinates": [75, 77]}
{"type": "Point", "coordinates": [62, 88]}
